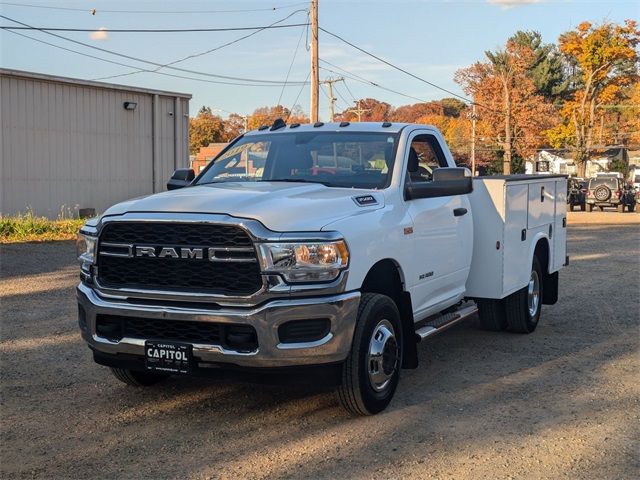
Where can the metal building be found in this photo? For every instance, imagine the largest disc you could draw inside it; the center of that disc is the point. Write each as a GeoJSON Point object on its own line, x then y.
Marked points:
{"type": "Point", "coordinates": [71, 144]}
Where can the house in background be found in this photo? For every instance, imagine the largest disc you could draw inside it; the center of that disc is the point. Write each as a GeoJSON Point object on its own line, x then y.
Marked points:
{"type": "Point", "coordinates": [560, 161]}
{"type": "Point", "coordinates": [205, 155]}
{"type": "Point", "coordinates": [76, 144]}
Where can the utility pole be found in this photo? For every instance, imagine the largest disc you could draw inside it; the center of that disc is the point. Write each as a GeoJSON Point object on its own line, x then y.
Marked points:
{"type": "Point", "coordinates": [330, 81]}
{"type": "Point", "coordinates": [474, 118]}
{"type": "Point", "coordinates": [359, 111]}
{"type": "Point", "coordinates": [315, 78]}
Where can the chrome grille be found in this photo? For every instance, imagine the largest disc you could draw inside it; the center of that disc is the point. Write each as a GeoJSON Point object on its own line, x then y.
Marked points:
{"type": "Point", "coordinates": [231, 272]}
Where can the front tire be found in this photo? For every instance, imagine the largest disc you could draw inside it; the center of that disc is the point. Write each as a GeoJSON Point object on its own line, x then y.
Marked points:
{"type": "Point", "coordinates": [371, 372]}
{"type": "Point", "coordinates": [136, 378]}
{"type": "Point", "coordinates": [523, 307]}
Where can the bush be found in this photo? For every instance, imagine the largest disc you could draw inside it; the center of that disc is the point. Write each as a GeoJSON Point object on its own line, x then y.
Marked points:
{"type": "Point", "coordinates": [30, 228]}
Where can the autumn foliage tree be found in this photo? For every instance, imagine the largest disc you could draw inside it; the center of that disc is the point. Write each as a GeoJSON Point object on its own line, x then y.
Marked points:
{"type": "Point", "coordinates": [205, 128]}
{"type": "Point", "coordinates": [513, 114]}
{"type": "Point", "coordinates": [606, 62]}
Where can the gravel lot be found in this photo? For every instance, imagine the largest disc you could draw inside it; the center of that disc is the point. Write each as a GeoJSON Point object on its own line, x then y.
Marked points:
{"type": "Point", "coordinates": [562, 402]}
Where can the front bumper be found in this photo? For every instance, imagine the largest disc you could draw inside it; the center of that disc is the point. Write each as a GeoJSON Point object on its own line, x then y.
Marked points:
{"type": "Point", "coordinates": [340, 309]}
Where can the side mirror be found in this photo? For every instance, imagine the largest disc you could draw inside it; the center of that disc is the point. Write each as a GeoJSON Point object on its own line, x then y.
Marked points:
{"type": "Point", "coordinates": [446, 182]}
{"type": "Point", "coordinates": [181, 178]}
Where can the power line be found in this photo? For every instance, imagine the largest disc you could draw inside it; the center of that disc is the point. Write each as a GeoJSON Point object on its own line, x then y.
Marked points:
{"type": "Point", "coordinates": [154, 30]}
{"type": "Point", "coordinates": [295, 52]}
{"type": "Point", "coordinates": [395, 66]}
{"type": "Point", "coordinates": [211, 50]}
{"type": "Point", "coordinates": [357, 78]}
{"type": "Point", "coordinates": [295, 102]}
{"type": "Point", "coordinates": [93, 11]}
{"type": "Point", "coordinates": [217, 82]}
{"type": "Point", "coordinates": [155, 64]}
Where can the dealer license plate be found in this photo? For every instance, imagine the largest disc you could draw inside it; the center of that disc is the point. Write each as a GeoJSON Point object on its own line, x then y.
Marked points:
{"type": "Point", "coordinates": [168, 357]}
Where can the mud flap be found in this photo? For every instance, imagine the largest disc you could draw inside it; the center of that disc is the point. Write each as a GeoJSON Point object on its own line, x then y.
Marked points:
{"type": "Point", "coordinates": [550, 288]}
{"type": "Point", "coordinates": [410, 349]}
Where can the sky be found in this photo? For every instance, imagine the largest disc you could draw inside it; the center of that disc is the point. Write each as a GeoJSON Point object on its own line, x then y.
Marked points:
{"type": "Point", "coordinates": [429, 38]}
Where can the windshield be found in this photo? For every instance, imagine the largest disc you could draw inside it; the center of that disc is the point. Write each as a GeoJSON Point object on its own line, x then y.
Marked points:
{"type": "Point", "coordinates": [334, 159]}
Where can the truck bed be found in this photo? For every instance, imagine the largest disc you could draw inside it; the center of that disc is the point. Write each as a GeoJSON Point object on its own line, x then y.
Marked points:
{"type": "Point", "coordinates": [511, 214]}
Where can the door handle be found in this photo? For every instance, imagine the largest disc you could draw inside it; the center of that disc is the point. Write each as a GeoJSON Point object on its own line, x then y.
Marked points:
{"type": "Point", "coordinates": [458, 212]}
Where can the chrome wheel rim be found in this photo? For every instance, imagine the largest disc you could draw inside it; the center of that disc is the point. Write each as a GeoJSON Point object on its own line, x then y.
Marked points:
{"type": "Point", "coordinates": [382, 357]}
{"type": "Point", "coordinates": [533, 291]}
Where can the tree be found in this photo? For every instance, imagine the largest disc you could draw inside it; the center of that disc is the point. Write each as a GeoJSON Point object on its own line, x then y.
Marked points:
{"type": "Point", "coordinates": [606, 60]}
{"type": "Point", "coordinates": [204, 129]}
{"type": "Point", "coordinates": [372, 111]}
{"type": "Point", "coordinates": [267, 115]}
{"type": "Point", "coordinates": [513, 115]}
{"type": "Point", "coordinates": [411, 113]}
{"type": "Point", "coordinates": [546, 69]}
{"type": "Point", "coordinates": [234, 125]}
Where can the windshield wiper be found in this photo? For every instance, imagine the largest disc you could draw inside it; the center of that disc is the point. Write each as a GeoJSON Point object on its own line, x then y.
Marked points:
{"type": "Point", "coordinates": [293, 180]}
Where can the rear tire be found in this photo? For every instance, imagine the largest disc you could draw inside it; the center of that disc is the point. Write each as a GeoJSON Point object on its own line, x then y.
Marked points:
{"type": "Point", "coordinates": [136, 378]}
{"type": "Point", "coordinates": [523, 307]}
{"type": "Point", "coordinates": [492, 314]}
{"type": "Point", "coordinates": [371, 372]}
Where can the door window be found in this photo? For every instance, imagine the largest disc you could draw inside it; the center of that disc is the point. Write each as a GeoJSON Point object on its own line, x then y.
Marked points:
{"type": "Point", "coordinates": [425, 155]}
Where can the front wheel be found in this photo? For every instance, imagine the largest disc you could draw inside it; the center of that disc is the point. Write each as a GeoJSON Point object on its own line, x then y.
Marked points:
{"type": "Point", "coordinates": [371, 372]}
{"type": "Point", "coordinates": [523, 307]}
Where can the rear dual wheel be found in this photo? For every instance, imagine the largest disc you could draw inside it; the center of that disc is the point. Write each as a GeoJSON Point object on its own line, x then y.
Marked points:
{"type": "Point", "coordinates": [518, 312]}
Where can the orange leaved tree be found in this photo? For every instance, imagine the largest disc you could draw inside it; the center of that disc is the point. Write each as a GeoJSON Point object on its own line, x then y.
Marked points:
{"type": "Point", "coordinates": [513, 115]}
{"type": "Point", "coordinates": [606, 61]}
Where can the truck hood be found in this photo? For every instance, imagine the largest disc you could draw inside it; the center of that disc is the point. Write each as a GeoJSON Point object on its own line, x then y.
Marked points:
{"type": "Point", "coordinates": [278, 206]}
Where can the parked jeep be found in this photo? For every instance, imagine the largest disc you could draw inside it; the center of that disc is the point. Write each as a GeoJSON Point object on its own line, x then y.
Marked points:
{"type": "Point", "coordinates": [576, 193]}
{"type": "Point", "coordinates": [609, 191]}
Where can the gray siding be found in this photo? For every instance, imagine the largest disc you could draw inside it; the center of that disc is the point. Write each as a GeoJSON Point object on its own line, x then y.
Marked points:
{"type": "Point", "coordinates": [69, 146]}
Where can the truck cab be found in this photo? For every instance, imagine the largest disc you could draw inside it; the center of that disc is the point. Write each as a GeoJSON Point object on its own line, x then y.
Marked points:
{"type": "Point", "coordinates": [338, 246]}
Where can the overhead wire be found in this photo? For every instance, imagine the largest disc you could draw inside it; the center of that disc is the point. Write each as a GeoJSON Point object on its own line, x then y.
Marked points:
{"type": "Point", "coordinates": [465, 99]}
{"type": "Point", "coordinates": [295, 102]}
{"type": "Point", "coordinates": [156, 64]}
{"type": "Point", "coordinates": [171, 12]}
{"type": "Point", "coordinates": [157, 30]}
{"type": "Point", "coordinates": [211, 50]}
{"type": "Point", "coordinates": [295, 52]}
{"type": "Point", "coordinates": [217, 82]}
{"type": "Point", "coordinates": [369, 82]}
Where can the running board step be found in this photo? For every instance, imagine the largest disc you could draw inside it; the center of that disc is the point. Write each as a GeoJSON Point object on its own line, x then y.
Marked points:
{"type": "Point", "coordinates": [445, 321]}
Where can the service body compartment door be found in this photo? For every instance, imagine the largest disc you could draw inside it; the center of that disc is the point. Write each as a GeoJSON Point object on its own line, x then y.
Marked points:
{"type": "Point", "coordinates": [559, 254]}
{"type": "Point", "coordinates": [542, 197]}
{"type": "Point", "coordinates": [516, 243]}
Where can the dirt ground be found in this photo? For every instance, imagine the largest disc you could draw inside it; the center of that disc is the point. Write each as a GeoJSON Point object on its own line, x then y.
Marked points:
{"type": "Point", "coordinates": [560, 403]}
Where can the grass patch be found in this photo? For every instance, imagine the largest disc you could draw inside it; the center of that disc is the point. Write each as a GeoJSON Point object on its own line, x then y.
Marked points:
{"type": "Point", "coordinates": [30, 228]}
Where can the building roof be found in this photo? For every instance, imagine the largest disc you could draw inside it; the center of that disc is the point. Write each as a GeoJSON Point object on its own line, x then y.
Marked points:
{"type": "Point", "coordinates": [87, 83]}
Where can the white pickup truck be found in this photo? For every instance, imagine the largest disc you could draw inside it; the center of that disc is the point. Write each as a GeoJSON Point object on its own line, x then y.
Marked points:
{"type": "Point", "coordinates": [325, 247]}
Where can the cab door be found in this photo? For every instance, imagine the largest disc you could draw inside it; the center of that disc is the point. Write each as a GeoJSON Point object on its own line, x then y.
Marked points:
{"type": "Point", "coordinates": [442, 234]}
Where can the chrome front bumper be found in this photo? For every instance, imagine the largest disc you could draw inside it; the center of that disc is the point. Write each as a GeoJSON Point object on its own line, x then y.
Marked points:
{"type": "Point", "coordinates": [340, 309]}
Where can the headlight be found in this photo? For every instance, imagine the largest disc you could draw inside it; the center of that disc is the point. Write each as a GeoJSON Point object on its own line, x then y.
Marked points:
{"type": "Point", "coordinates": [86, 247]}
{"type": "Point", "coordinates": [305, 262]}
